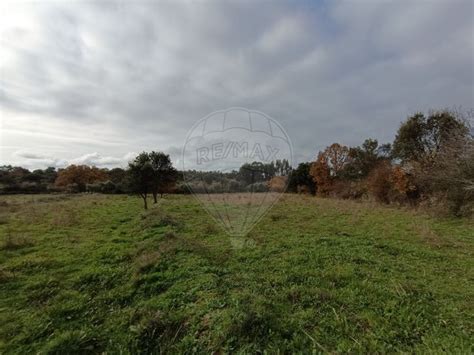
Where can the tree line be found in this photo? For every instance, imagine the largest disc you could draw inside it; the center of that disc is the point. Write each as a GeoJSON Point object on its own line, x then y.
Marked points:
{"type": "Point", "coordinates": [149, 174]}
{"type": "Point", "coordinates": [430, 162]}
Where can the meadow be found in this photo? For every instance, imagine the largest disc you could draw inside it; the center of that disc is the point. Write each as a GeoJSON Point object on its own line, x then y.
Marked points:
{"type": "Point", "coordinates": [90, 273]}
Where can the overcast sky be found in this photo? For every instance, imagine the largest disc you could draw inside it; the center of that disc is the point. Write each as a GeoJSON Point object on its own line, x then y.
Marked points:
{"type": "Point", "coordinates": [95, 82]}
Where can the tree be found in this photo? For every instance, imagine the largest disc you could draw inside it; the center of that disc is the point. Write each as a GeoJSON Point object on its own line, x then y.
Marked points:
{"type": "Point", "coordinates": [321, 174]}
{"type": "Point", "coordinates": [301, 180]}
{"type": "Point", "coordinates": [421, 138]}
{"type": "Point", "coordinates": [282, 167]}
{"type": "Point", "coordinates": [251, 173]}
{"type": "Point", "coordinates": [403, 182]}
{"type": "Point", "coordinates": [78, 176]}
{"type": "Point", "coordinates": [450, 177]}
{"type": "Point", "coordinates": [329, 167]}
{"type": "Point", "coordinates": [141, 176]}
{"type": "Point", "coordinates": [20, 180]}
{"type": "Point", "coordinates": [437, 149]}
{"type": "Point", "coordinates": [337, 157]}
{"type": "Point", "coordinates": [365, 158]}
{"type": "Point", "coordinates": [117, 175]}
{"type": "Point", "coordinates": [164, 174]}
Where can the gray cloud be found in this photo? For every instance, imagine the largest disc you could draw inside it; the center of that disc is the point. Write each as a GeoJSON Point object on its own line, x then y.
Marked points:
{"type": "Point", "coordinates": [29, 155]}
{"type": "Point", "coordinates": [33, 160]}
{"type": "Point", "coordinates": [116, 77]}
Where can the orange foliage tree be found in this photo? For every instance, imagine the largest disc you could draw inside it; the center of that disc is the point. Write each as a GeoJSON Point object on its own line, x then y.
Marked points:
{"type": "Point", "coordinates": [79, 175]}
{"type": "Point", "coordinates": [403, 183]}
{"type": "Point", "coordinates": [321, 175]}
{"type": "Point", "coordinates": [329, 167]}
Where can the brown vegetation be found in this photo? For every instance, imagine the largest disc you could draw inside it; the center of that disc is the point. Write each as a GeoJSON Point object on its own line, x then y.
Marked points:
{"type": "Point", "coordinates": [76, 177]}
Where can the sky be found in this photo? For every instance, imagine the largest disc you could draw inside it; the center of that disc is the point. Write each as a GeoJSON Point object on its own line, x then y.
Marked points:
{"type": "Point", "coordinates": [95, 82]}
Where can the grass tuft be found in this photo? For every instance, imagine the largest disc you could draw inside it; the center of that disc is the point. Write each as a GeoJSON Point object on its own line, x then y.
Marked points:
{"type": "Point", "coordinates": [13, 242]}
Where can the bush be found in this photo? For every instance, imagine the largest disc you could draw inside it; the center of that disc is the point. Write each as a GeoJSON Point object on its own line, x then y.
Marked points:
{"type": "Point", "coordinates": [348, 190]}
{"type": "Point", "coordinates": [278, 183]}
{"type": "Point", "coordinates": [106, 187]}
{"type": "Point", "coordinates": [378, 183]}
{"type": "Point", "coordinates": [257, 187]}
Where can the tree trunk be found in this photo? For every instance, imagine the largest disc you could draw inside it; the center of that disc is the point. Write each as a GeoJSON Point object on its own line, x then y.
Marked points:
{"type": "Point", "coordinates": [145, 202]}
{"type": "Point", "coordinates": [154, 197]}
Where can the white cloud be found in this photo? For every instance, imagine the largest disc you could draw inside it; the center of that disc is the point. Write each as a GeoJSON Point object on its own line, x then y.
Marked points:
{"type": "Point", "coordinates": [102, 161]}
{"type": "Point", "coordinates": [34, 160]}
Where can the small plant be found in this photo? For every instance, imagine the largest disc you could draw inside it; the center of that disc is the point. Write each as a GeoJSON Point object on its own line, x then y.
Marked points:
{"type": "Point", "coordinates": [5, 275]}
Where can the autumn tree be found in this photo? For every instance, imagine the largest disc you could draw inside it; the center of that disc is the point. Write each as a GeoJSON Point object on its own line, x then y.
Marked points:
{"type": "Point", "coordinates": [403, 182]}
{"type": "Point", "coordinates": [329, 167]}
{"type": "Point", "coordinates": [78, 176]}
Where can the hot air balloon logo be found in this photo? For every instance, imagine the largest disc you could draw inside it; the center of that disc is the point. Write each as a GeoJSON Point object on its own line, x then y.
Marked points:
{"type": "Point", "coordinates": [236, 162]}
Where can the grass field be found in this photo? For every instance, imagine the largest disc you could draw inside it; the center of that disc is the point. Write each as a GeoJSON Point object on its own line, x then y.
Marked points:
{"type": "Point", "coordinates": [97, 273]}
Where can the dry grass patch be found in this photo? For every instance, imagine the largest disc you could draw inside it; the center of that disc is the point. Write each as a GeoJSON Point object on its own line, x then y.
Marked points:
{"type": "Point", "coordinates": [64, 218]}
{"type": "Point", "coordinates": [13, 242]}
{"type": "Point", "coordinates": [146, 259]}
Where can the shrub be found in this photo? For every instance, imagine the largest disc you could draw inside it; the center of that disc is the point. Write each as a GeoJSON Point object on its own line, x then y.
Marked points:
{"type": "Point", "coordinates": [278, 183]}
{"type": "Point", "coordinates": [378, 182]}
{"type": "Point", "coordinates": [79, 176]}
{"type": "Point", "coordinates": [404, 186]}
{"type": "Point", "coordinates": [352, 190]}
{"type": "Point", "coordinates": [105, 187]}
{"type": "Point", "coordinates": [257, 187]}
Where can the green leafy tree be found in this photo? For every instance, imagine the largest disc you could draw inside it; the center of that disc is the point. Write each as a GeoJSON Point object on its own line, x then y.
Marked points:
{"type": "Point", "coordinates": [164, 174]}
{"type": "Point", "coordinates": [255, 172]}
{"type": "Point", "coordinates": [437, 149]}
{"type": "Point", "coordinates": [301, 179]}
{"type": "Point", "coordinates": [365, 158]}
{"type": "Point", "coordinates": [420, 138]}
{"type": "Point", "coordinates": [141, 176]}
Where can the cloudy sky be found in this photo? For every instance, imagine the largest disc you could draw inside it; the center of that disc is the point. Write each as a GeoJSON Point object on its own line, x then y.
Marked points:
{"type": "Point", "coordinates": [94, 82]}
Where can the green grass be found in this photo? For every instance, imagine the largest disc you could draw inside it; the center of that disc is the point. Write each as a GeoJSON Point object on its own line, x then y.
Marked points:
{"type": "Point", "coordinates": [98, 274]}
